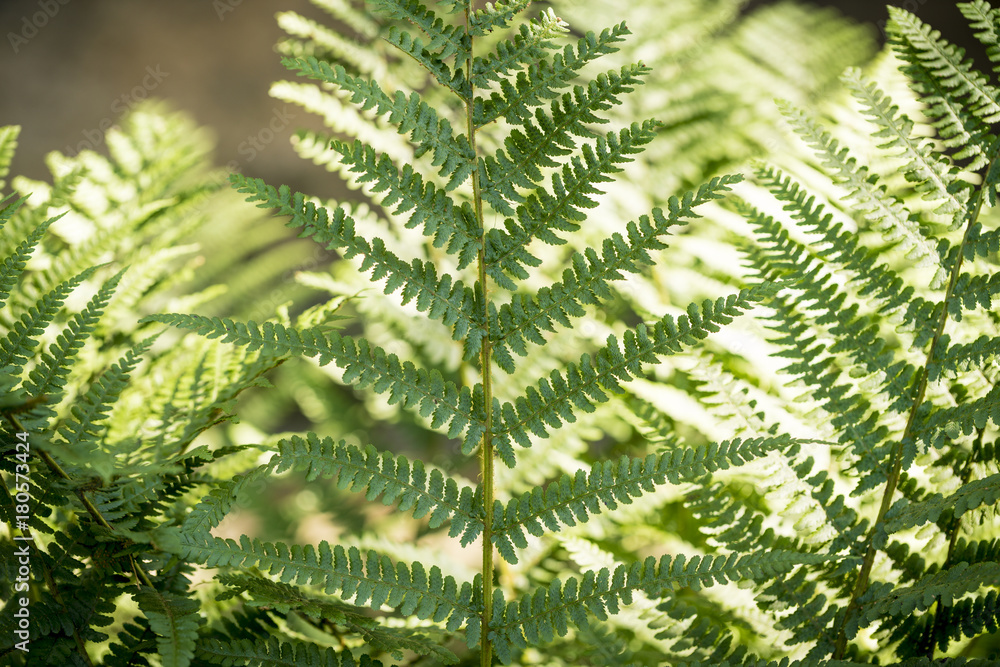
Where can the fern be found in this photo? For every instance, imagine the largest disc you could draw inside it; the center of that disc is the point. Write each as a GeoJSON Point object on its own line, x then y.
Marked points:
{"type": "Point", "coordinates": [744, 418]}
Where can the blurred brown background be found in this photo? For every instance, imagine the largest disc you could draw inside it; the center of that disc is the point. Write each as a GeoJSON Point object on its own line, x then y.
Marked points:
{"type": "Point", "coordinates": [69, 68]}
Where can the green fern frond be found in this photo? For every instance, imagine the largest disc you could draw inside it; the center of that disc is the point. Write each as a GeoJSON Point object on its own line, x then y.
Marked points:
{"type": "Point", "coordinates": [13, 266]}
{"type": "Point", "coordinates": [364, 365]}
{"type": "Point", "coordinates": [529, 46]}
{"type": "Point", "coordinates": [274, 652]}
{"type": "Point", "coordinates": [395, 478]}
{"type": "Point", "coordinates": [931, 175]}
{"type": "Point", "coordinates": [883, 287]}
{"type": "Point", "coordinates": [410, 114]}
{"type": "Point", "coordinates": [535, 145]}
{"type": "Point", "coordinates": [545, 212]}
{"type": "Point", "coordinates": [442, 299]}
{"type": "Point", "coordinates": [961, 102]}
{"type": "Point", "coordinates": [8, 144]}
{"type": "Point", "coordinates": [572, 500]}
{"type": "Point", "coordinates": [445, 40]}
{"type": "Point", "coordinates": [884, 599]}
{"type": "Point", "coordinates": [416, 49]}
{"type": "Point", "coordinates": [433, 210]}
{"type": "Point", "coordinates": [550, 610]}
{"type": "Point", "coordinates": [49, 376]}
{"type": "Point", "coordinates": [324, 43]}
{"type": "Point", "coordinates": [885, 212]}
{"type": "Point", "coordinates": [175, 620]}
{"type": "Point", "coordinates": [495, 15]}
{"type": "Point", "coordinates": [970, 496]}
{"type": "Point", "coordinates": [982, 17]}
{"type": "Point", "coordinates": [212, 509]}
{"type": "Point", "coordinates": [549, 404]}
{"type": "Point", "coordinates": [525, 318]}
{"type": "Point", "coordinates": [78, 436]}
{"type": "Point", "coordinates": [541, 81]}
{"type": "Point", "coordinates": [17, 347]}
{"type": "Point", "coordinates": [367, 580]}
{"type": "Point", "coordinates": [285, 598]}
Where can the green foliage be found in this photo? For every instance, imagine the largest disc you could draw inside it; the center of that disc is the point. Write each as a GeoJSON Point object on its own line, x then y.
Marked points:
{"type": "Point", "coordinates": [748, 420]}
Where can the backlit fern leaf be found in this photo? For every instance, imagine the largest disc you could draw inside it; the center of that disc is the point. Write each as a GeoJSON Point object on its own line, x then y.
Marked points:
{"type": "Point", "coordinates": [536, 144]}
{"type": "Point", "coordinates": [525, 318]}
{"type": "Point", "coordinates": [547, 613]}
{"type": "Point", "coordinates": [274, 652]}
{"type": "Point", "coordinates": [79, 435]}
{"type": "Point", "coordinates": [884, 211]}
{"type": "Point", "coordinates": [441, 298]}
{"type": "Point", "coordinates": [431, 209]}
{"type": "Point", "coordinates": [545, 212]}
{"type": "Point", "coordinates": [18, 345]}
{"type": "Point", "coordinates": [542, 79]}
{"type": "Point", "coordinates": [931, 175]}
{"type": "Point", "coordinates": [553, 400]}
{"type": "Point", "coordinates": [961, 102]}
{"type": "Point", "coordinates": [411, 114]}
{"type": "Point", "coordinates": [395, 479]}
{"type": "Point", "coordinates": [530, 45]}
{"type": "Point", "coordinates": [175, 621]}
{"type": "Point", "coordinates": [49, 377]}
{"type": "Point", "coordinates": [366, 580]}
{"type": "Point", "coordinates": [364, 365]}
{"type": "Point", "coordinates": [572, 500]}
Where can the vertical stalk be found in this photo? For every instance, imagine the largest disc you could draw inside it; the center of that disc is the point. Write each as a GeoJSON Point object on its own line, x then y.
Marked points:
{"type": "Point", "coordinates": [485, 358]}
{"type": "Point", "coordinates": [840, 647]}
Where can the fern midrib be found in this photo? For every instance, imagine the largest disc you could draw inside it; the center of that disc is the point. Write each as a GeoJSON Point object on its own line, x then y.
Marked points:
{"type": "Point", "coordinates": [897, 455]}
{"type": "Point", "coordinates": [486, 453]}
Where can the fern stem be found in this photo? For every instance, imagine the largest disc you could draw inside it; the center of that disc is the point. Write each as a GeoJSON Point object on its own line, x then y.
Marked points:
{"type": "Point", "coordinates": [895, 471]}
{"type": "Point", "coordinates": [485, 362]}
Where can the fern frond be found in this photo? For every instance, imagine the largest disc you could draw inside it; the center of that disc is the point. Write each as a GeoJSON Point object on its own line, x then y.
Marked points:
{"type": "Point", "coordinates": [433, 210]}
{"type": "Point", "coordinates": [983, 18]}
{"type": "Point", "coordinates": [8, 144]}
{"type": "Point", "coordinates": [48, 378]}
{"type": "Point", "coordinates": [369, 580]}
{"type": "Point", "coordinates": [411, 115]}
{"type": "Point", "coordinates": [530, 45]}
{"type": "Point", "coordinates": [546, 212]}
{"type": "Point", "coordinates": [427, 392]}
{"type": "Point", "coordinates": [285, 598]}
{"type": "Point", "coordinates": [495, 15]}
{"type": "Point", "coordinates": [572, 500]}
{"type": "Point", "coordinates": [315, 39]}
{"type": "Point", "coordinates": [453, 303]}
{"type": "Point", "coordinates": [961, 102]}
{"type": "Point", "coordinates": [79, 434]}
{"type": "Point", "coordinates": [882, 285]}
{"type": "Point", "coordinates": [445, 40]}
{"type": "Point", "coordinates": [273, 652]}
{"type": "Point", "coordinates": [395, 478]}
{"type": "Point", "coordinates": [549, 404]}
{"type": "Point", "coordinates": [535, 145]}
{"type": "Point", "coordinates": [17, 347]}
{"type": "Point", "coordinates": [420, 53]}
{"type": "Point", "coordinates": [884, 599]}
{"type": "Point", "coordinates": [884, 211]}
{"type": "Point", "coordinates": [524, 319]}
{"type": "Point", "coordinates": [970, 496]}
{"type": "Point", "coordinates": [175, 620]}
{"type": "Point", "coordinates": [550, 610]}
{"type": "Point", "coordinates": [212, 509]}
{"type": "Point", "coordinates": [931, 175]}
{"type": "Point", "coordinates": [541, 80]}
{"type": "Point", "coordinates": [13, 266]}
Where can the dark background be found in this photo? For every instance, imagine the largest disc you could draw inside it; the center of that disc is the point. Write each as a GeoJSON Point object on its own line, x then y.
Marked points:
{"type": "Point", "coordinates": [79, 63]}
